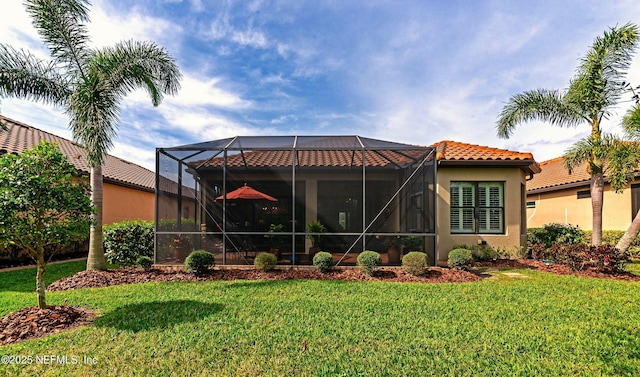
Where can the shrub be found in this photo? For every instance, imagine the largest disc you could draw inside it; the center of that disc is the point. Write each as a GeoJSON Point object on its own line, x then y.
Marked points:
{"type": "Point", "coordinates": [555, 233]}
{"type": "Point", "coordinates": [144, 262]}
{"type": "Point", "coordinates": [415, 263]}
{"type": "Point", "coordinates": [124, 242]}
{"type": "Point", "coordinates": [368, 261]}
{"type": "Point", "coordinates": [611, 237]}
{"type": "Point", "coordinates": [198, 262]}
{"type": "Point", "coordinates": [323, 261]}
{"type": "Point", "coordinates": [604, 258]}
{"type": "Point", "coordinates": [460, 258]}
{"type": "Point", "coordinates": [484, 252]}
{"type": "Point", "coordinates": [538, 251]}
{"type": "Point", "coordinates": [265, 262]}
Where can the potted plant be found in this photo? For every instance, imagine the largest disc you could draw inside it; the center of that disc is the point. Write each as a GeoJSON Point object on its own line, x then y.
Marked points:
{"type": "Point", "coordinates": [181, 247]}
{"type": "Point", "coordinates": [275, 239]}
{"type": "Point", "coordinates": [394, 248]}
{"type": "Point", "coordinates": [317, 228]}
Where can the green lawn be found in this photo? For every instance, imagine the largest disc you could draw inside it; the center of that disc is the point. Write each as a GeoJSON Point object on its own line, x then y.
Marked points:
{"type": "Point", "coordinates": [543, 325]}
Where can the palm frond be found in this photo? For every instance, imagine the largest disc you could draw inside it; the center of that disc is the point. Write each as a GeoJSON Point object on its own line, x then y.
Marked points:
{"type": "Point", "coordinates": [61, 24]}
{"type": "Point", "coordinates": [94, 112]}
{"type": "Point", "coordinates": [541, 104]}
{"type": "Point", "coordinates": [133, 64]}
{"type": "Point", "coordinates": [622, 163]}
{"type": "Point", "coordinates": [598, 83]}
{"type": "Point", "coordinates": [578, 153]}
{"type": "Point", "coordinates": [22, 75]}
{"type": "Point", "coordinates": [631, 123]}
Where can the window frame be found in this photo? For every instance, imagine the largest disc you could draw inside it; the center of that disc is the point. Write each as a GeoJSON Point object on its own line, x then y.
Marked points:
{"type": "Point", "coordinates": [477, 208]}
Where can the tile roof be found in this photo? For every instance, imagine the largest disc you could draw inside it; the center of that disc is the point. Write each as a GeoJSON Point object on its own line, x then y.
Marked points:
{"type": "Point", "coordinates": [318, 158]}
{"type": "Point", "coordinates": [21, 136]}
{"type": "Point", "coordinates": [453, 151]}
{"type": "Point", "coordinates": [555, 174]}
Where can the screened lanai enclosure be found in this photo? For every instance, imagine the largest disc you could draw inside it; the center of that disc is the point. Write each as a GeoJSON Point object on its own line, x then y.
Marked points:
{"type": "Point", "coordinates": [294, 196]}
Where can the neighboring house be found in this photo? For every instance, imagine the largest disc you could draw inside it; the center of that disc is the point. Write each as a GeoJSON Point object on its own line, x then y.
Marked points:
{"type": "Point", "coordinates": [557, 196]}
{"type": "Point", "coordinates": [481, 196]}
{"type": "Point", "coordinates": [370, 194]}
{"type": "Point", "coordinates": [128, 188]}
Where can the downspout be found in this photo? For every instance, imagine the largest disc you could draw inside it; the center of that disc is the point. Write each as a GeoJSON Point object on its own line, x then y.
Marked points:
{"type": "Point", "coordinates": [534, 209]}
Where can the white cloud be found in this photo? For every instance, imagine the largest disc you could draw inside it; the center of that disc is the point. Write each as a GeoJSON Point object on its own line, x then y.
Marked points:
{"type": "Point", "coordinates": [108, 27]}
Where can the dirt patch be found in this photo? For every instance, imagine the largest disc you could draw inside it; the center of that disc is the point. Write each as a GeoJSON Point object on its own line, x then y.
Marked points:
{"type": "Point", "coordinates": [34, 322]}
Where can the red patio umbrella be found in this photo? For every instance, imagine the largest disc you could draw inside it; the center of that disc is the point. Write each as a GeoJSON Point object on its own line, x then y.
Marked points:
{"type": "Point", "coordinates": [247, 193]}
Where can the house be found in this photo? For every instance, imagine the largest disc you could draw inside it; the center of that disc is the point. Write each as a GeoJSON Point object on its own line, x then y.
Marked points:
{"type": "Point", "coordinates": [128, 188]}
{"type": "Point", "coordinates": [481, 196]}
{"type": "Point", "coordinates": [370, 195]}
{"type": "Point", "coordinates": [557, 196]}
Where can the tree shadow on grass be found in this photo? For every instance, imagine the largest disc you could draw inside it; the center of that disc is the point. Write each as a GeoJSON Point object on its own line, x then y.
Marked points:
{"type": "Point", "coordinates": [156, 315]}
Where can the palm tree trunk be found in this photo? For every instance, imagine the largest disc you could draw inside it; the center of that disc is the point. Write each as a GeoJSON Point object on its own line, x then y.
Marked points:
{"type": "Point", "coordinates": [42, 302]}
{"type": "Point", "coordinates": [96, 261]}
{"type": "Point", "coordinates": [630, 234]}
{"type": "Point", "coordinates": [597, 198]}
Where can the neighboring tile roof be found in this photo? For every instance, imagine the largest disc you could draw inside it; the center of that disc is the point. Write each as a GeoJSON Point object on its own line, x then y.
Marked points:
{"type": "Point", "coordinates": [453, 151]}
{"type": "Point", "coordinates": [21, 136]}
{"type": "Point", "coordinates": [554, 174]}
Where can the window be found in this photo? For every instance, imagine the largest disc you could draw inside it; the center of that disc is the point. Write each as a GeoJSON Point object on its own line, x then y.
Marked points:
{"type": "Point", "coordinates": [635, 199]}
{"type": "Point", "coordinates": [586, 194]}
{"type": "Point", "coordinates": [477, 207]}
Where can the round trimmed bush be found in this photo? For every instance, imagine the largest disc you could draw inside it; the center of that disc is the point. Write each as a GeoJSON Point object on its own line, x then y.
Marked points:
{"type": "Point", "coordinates": [199, 261]}
{"type": "Point", "coordinates": [144, 262]}
{"type": "Point", "coordinates": [265, 262]}
{"type": "Point", "coordinates": [460, 258]}
{"type": "Point", "coordinates": [368, 261]}
{"type": "Point", "coordinates": [323, 261]}
{"type": "Point", "coordinates": [415, 263]}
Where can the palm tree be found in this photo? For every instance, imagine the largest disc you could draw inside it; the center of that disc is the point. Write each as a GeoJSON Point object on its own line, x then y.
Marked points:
{"type": "Point", "coordinates": [630, 160]}
{"type": "Point", "coordinates": [88, 83]}
{"type": "Point", "coordinates": [592, 94]}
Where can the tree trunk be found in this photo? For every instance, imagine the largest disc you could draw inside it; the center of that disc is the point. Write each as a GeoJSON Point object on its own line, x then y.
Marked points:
{"type": "Point", "coordinates": [597, 198]}
{"type": "Point", "coordinates": [96, 261]}
{"type": "Point", "coordinates": [42, 302]}
{"type": "Point", "coordinates": [630, 234]}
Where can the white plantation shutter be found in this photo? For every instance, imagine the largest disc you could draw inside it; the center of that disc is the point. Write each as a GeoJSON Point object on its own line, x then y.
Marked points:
{"type": "Point", "coordinates": [491, 197]}
{"type": "Point", "coordinates": [461, 216]}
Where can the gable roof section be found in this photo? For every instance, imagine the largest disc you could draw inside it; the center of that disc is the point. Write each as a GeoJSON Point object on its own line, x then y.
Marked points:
{"type": "Point", "coordinates": [555, 176]}
{"type": "Point", "coordinates": [455, 153]}
{"type": "Point", "coordinates": [20, 137]}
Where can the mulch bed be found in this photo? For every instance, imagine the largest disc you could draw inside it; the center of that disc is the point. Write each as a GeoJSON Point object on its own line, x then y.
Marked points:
{"type": "Point", "coordinates": [95, 279]}
{"type": "Point", "coordinates": [32, 322]}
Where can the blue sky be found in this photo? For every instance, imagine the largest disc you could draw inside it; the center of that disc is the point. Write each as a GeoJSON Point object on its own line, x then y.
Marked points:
{"type": "Point", "coordinates": [407, 71]}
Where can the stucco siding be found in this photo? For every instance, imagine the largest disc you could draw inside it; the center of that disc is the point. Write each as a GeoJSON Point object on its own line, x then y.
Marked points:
{"type": "Point", "coordinates": [563, 206]}
{"type": "Point", "coordinates": [513, 237]}
{"type": "Point", "coordinates": [124, 203]}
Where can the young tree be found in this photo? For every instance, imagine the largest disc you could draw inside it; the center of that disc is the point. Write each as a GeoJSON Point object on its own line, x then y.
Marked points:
{"type": "Point", "coordinates": [595, 89]}
{"type": "Point", "coordinates": [43, 206]}
{"type": "Point", "coordinates": [88, 83]}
